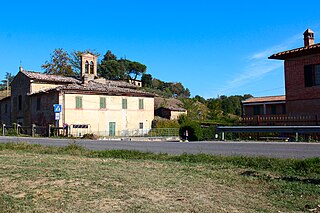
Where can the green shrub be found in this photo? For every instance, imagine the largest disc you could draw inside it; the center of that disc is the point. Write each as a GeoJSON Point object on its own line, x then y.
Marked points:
{"type": "Point", "coordinates": [194, 131]}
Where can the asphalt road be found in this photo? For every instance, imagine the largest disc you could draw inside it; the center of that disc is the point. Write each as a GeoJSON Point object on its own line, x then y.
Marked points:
{"type": "Point", "coordinates": [270, 149]}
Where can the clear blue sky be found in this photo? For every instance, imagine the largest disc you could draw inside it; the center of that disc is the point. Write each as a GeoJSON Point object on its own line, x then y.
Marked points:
{"type": "Point", "coordinates": [212, 48]}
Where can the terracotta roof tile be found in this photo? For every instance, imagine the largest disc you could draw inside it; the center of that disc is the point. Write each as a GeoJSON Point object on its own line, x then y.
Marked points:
{"type": "Point", "coordinates": [94, 87]}
{"type": "Point", "coordinates": [171, 103]}
{"type": "Point", "coordinates": [312, 49]}
{"type": "Point", "coordinates": [49, 78]}
{"type": "Point", "coordinates": [265, 99]}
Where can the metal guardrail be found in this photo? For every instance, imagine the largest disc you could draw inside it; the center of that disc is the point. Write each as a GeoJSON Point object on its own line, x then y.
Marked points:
{"type": "Point", "coordinates": [268, 129]}
{"type": "Point", "coordinates": [278, 129]}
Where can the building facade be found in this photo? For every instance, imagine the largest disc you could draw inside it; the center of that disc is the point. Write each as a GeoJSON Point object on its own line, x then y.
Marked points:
{"type": "Point", "coordinates": [270, 105]}
{"type": "Point", "coordinates": [100, 106]}
{"type": "Point", "coordinates": [301, 103]}
{"type": "Point", "coordinates": [302, 77]}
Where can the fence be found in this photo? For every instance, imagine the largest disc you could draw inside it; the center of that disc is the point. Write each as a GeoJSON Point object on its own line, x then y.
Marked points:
{"type": "Point", "coordinates": [280, 120]}
{"type": "Point", "coordinates": [81, 130]}
{"type": "Point", "coordinates": [33, 130]}
{"type": "Point", "coordinates": [156, 132]}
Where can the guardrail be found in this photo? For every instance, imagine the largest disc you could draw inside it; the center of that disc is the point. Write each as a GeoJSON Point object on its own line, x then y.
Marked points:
{"type": "Point", "coordinates": [268, 129]}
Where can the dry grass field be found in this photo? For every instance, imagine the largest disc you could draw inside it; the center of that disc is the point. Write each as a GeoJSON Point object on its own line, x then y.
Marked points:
{"type": "Point", "coordinates": [43, 179]}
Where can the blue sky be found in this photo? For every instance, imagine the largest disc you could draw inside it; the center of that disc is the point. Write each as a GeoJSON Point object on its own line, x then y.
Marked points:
{"type": "Point", "coordinates": [212, 48]}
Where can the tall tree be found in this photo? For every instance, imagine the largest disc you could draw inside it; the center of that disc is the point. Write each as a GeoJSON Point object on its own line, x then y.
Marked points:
{"type": "Point", "coordinates": [110, 68]}
{"type": "Point", "coordinates": [122, 69]}
{"type": "Point", "coordinates": [59, 64]}
{"type": "Point", "coordinates": [5, 83]}
{"type": "Point", "coordinates": [133, 69]}
{"type": "Point", "coordinates": [146, 80]}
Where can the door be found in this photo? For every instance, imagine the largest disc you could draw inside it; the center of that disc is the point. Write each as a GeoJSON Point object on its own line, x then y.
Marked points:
{"type": "Point", "coordinates": [112, 128]}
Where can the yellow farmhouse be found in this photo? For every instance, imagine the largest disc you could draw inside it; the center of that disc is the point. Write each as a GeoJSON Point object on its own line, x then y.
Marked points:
{"type": "Point", "coordinates": [96, 105]}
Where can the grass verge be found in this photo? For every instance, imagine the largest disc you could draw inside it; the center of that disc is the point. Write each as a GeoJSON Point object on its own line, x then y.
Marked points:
{"type": "Point", "coordinates": [35, 178]}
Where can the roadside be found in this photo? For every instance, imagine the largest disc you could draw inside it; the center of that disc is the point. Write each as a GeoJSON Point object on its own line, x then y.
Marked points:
{"type": "Point", "coordinates": [229, 148]}
{"type": "Point", "coordinates": [36, 178]}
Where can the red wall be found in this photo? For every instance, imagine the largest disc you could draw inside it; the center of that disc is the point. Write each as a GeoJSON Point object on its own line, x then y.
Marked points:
{"type": "Point", "coordinates": [301, 99]}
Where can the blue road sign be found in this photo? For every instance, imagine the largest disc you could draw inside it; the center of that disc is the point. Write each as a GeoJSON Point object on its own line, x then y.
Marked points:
{"type": "Point", "coordinates": [57, 108]}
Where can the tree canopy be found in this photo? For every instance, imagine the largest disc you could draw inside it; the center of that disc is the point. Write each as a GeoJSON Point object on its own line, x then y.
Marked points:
{"type": "Point", "coordinates": [5, 83]}
{"type": "Point", "coordinates": [120, 69]}
{"type": "Point", "coordinates": [59, 64]}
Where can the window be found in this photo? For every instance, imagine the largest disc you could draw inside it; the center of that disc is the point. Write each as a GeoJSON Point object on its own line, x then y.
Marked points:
{"type": "Point", "coordinates": [273, 109]}
{"type": "Point", "coordinates": [256, 110]}
{"type": "Point", "coordinates": [19, 102]}
{"type": "Point", "coordinates": [91, 67]}
{"type": "Point", "coordinates": [284, 109]}
{"type": "Point", "coordinates": [102, 102]}
{"type": "Point", "coordinates": [140, 103]}
{"type": "Point", "coordinates": [86, 68]}
{"type": "Point", "coordinates": [78, 102]}
{"type": "Point", "coordinates": [312, 75]}
{"type": "Point", "coordinates": [141, 125]}
{"type": "Point", "coordinates": [124, 104]}
{"type": "Point", "coordinates": [38, 103]}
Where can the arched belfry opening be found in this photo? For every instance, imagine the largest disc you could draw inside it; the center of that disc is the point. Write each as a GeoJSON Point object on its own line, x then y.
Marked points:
{"type": "Point", "coordinates": [89, 66]}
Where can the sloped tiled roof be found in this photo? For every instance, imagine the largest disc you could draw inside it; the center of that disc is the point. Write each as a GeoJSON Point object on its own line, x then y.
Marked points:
{"type": "Point", "coordinates": [302, 51]}
{"type": "Point", "coordinates": [115, 83]}
{"type": "Point", "coordinates": [171, 104]}
{"type": "Point", "coordinates": [265, 99]}
{"type": "Point", "coordinates": [94, 87]}
{"type": "Point", "coordinates": [49, 78]}
{"type": "Point", "coordinates": [4, 94]}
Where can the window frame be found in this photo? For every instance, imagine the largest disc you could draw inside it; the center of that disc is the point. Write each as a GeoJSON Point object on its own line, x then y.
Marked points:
{"type": "Point", "coordinates": [124, 103]}
{"type": "Point", "coordinates": [141, 103]}
{"type": "Point", "coordinates": [79, 102]}
{"type": "Point", "coordinates": [311, 75]}
{"type": "Point", "coordinates": [103, 103]}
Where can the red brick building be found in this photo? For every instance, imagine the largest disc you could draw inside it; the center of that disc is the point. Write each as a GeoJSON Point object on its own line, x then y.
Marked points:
{"type": "Point", "coordinates": [302, 77]}
{"type": "Point", "coordinates": [271, 105]}
{"type": "Point", "coordinates": [302, 85]}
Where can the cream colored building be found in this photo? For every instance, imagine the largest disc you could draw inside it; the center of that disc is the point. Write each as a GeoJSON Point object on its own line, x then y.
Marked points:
{"type": "Point", "coordinates": [92, 105]}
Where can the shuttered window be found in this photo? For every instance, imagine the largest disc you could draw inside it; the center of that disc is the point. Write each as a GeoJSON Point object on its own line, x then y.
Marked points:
{"type": "Point", "coordinates": [102, 102]}
{"type": "Point", "coordinates": [141, 104]}
{"type": "Point", "coordinates": [312, 75]}
{"type": "Point", "coordinates": [124, 104]}
{"type": "Point", "coordinates": [308, 76]}
{"type": "Point", "coordinates": [78, 102]}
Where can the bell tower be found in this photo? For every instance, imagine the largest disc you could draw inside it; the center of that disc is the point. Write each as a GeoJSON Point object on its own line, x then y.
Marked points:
{"type": "Point", "coordinates": [89, 66]}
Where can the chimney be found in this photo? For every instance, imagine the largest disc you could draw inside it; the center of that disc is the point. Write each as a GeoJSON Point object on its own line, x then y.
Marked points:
{"type": "Point", "coordinates": [308, 38]}
{"type": "Point", "coordinates": [20, 68]}
{"type": "Point", "coordinates": [85, 79]}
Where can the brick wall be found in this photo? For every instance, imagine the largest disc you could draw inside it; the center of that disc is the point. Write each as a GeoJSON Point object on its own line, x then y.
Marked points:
{"type": "Point", "coordinates": [301, 99]}
{"type": "Point", "coordinates": [303, 107]}
{"type": "Point", "coordinates": [294, 75]}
